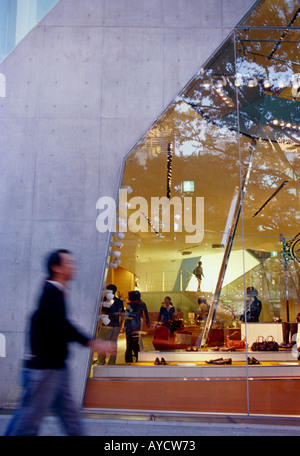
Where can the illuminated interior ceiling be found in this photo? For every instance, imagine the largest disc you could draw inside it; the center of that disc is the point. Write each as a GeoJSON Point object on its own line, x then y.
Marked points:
{"type": "Point", "coordinates": [247, 96]}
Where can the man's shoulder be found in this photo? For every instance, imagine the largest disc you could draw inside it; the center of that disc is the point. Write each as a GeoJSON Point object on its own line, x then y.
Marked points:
{"type": "Point", "coordinates": [50, 288]}
{"type": "Point", "coordinates": [50, 292]}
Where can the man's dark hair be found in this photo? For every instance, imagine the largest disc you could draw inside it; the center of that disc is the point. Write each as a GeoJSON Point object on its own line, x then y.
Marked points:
{"type": "Point", "coordinates": [54, 259]}
{"type": "Point", "coordinates": [112, 287]}
{"type": "Point", "coordinates": [134, 295]}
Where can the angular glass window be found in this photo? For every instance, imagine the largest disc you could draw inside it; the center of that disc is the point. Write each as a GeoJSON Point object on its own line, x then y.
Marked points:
{"type": "Point", "coordinates": [209, 224]}
{"type": "Point", "coordinates": [179, 217]}
{"type": "Point", "coordinates": [209, 211]}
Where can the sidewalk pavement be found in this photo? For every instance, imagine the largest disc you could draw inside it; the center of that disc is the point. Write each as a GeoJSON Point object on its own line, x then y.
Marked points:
{"type": "Point", "coordinates": [171, 426]}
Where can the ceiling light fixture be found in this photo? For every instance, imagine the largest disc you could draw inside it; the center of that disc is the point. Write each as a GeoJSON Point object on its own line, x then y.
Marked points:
{"type": "Point", "coordinates": [281, 123]}
{"type": "Point", "coordinates": [252, 82]}
{"type": "Point", "coordinates": [169, 168]}
{"type": "Point", "coordinates": [116, 253]}
{"type": "Point", "coordinates": [128, 188]}
{"type": "Point", "coordinates": [225, 98]}
{"type": "Point", "coordinates": [207, 83]}
{"type": "Point", "coordinates": [221, 82]}
{"type": "Point", "coordinates": [118, 244]}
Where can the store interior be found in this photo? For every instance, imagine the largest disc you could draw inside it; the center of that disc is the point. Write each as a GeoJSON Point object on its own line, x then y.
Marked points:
{"type": "Point", "coordinates": [224, 163]}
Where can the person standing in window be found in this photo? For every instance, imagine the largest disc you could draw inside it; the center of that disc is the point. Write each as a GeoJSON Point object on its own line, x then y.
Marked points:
{"type": "Point", "coordinates": [253, 306]}
{"type": "Point", "coordinates": [133, 324]}
{"type": "Point", "coordinates": [198, 273]}
{"type": "Point", "coordinates": [167, 310]}
{"type": "Point", "coordinates": [203, 309]}
{"type": "Point", "coordinates": [114, 310]}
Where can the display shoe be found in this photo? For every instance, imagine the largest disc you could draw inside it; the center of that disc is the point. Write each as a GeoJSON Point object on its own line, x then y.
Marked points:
{"type": "Point", "coordinates": [290, 344]}
{"type": "Point", "coordinates": [157, 362]}
{"type": "Point", "coordinates": [213, 361]}
{"type": "Point", "coordinates": [189, 348]}
{"type": "Point", "coordinates": [223, 361]}
{"type": "Point", "coordinates": [287, 346]}
{"type": "Point", "coordinates": [255, 361]}
{"type": "Point", "coordinates": [163, 362]}
{"type": "Point", "coordinates": [252, 361]}
{"type": "Point", "coordinates": [228, 349]}
{"type": "Point", "coordinates": [194, 348]}
{"type": "Point", "coordinates": [216, 349]}
{"type": "Point", "coordinates": [283, 345]}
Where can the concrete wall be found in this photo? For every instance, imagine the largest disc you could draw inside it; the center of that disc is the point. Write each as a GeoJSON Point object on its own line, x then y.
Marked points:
{"type": "Point", "coordinates": [82, 88]}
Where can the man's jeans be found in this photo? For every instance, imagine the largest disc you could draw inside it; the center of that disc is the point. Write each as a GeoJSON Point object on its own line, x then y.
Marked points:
{"type": "Point", "coordinates": [45, 389]}
{"type": "Point", "coordinates": [109, 333]}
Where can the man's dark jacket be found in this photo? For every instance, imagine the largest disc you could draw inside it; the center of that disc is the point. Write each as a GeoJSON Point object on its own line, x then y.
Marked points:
{"type": "Point", "coordinates": [51, 331]}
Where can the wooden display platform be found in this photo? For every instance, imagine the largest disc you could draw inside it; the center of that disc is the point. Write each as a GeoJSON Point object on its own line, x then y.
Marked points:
{"type": "Point", "coordinates": [188, 384]}
{"type": "Point", "coordinates": [274, 396]}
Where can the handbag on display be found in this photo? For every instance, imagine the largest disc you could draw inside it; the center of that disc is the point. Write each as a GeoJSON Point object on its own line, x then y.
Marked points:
{"type": "Point", "coordinates": [237, 344]}
{"type": "Point", "coordinates": [259, 344]}
{"type": "Point", "coordinates": [271, 344]}
{"type": "Point", "coordinates": [268, 344]}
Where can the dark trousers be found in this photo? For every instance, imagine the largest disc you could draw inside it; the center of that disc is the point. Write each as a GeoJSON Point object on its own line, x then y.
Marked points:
{"type": "Point", "coordinates": [45, 389]}
{"type": "Point", "coordinates": [132, 348]}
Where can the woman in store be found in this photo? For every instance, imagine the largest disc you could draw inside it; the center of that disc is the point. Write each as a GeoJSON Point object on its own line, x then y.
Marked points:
{"type": "Point", "coordinates": [167, 311]}
{"type": "Point", "coordinates": [133, 324]}
{"type": "Point", "coordinates": [166, 315]}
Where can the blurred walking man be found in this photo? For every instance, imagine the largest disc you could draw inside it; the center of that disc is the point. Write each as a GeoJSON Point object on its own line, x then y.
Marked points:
{"type": "Point", "coordinates": [47, 380]}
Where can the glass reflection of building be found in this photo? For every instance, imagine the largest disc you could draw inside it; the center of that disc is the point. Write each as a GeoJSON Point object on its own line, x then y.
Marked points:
{"type": "Point", "coordinates": [17, 18]}
{"type": "Point", "coordinates": [231, 137]}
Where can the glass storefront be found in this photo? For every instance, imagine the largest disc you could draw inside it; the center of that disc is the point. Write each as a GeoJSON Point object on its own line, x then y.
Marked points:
{"type": "Point", "coordinates": [208, 228]}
